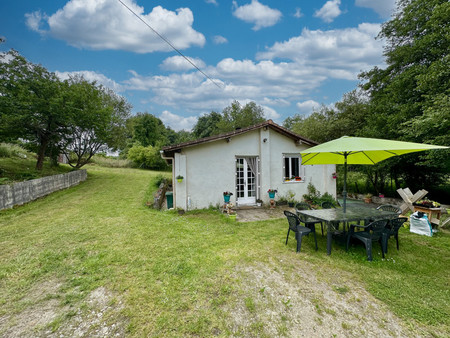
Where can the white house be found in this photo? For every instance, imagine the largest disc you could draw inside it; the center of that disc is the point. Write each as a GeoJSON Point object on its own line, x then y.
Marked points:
{"type": "Point", "coordinates": [247, 162]}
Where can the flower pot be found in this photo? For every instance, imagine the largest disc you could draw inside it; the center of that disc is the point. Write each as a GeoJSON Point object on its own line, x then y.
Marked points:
{"type": "Point", "coordinates": [226, 198]}
{"type": "Point", "coordinates": [367, 200]}
{"type": "Point", "coordinates": [179, 180]}
{"type": "Point", "coordinates": [271, 194]}
{"type": "Point", "coordinates": [232, 217]}
{"type": "Point", "coordinates": [291, 204]}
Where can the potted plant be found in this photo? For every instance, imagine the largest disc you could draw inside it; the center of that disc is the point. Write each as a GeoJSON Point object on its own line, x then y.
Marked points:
{"type": "Point", "coordinates": [290, 198]}
{"type": "Point", "coordinates": [272, 193]}
{"type": "Point", "coordinates": [368, 198]}
{"type": "Point", "coordinates": [226, 196]}
{"type": "Point", "coordinates": [259, 202]}
{"type": "Point", "coordinates": [298, 178]}
{"type": "Point", "coordinates": [334, 175]}
{"type": "Point", "coordinates": [179, 178]}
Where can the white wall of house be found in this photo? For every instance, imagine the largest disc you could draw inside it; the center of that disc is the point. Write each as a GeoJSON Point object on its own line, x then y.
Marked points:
{"type": "Point", "coordinates": [209, 169]}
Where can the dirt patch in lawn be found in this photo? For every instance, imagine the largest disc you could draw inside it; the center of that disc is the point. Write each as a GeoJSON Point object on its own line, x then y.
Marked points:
{"type": "Point", "coordinates": [45, 315]}
{"type": "Point", "coordinates": [301, 302]}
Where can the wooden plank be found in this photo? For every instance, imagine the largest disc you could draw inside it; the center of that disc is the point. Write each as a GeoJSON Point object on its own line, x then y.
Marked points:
{"type": "Point", "coordinates": [419, 195]}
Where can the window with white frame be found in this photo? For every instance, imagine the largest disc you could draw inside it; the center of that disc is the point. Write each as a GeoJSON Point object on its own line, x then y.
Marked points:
{"type": "Point", "coordinates": [292, 169]}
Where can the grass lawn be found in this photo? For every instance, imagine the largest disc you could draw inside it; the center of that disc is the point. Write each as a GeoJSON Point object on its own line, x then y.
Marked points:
{"type": "Point", "coordinates": [95, 254]}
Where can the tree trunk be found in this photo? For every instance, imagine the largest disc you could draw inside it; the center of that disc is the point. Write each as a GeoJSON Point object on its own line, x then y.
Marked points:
{"type": "Point", "coordinates": [41, 154]}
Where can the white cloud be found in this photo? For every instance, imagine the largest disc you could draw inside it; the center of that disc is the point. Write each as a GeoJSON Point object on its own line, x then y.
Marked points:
{"type": "Point", "coordinates": [179, 63]}
{"type": "Point", "coordinates": [308, 60]}
{"type": "Point", "coordinates": [34, 21]}
{"type": "Point", "coordinates": [76, 21]}
{"type": "Point", "coordinates": [383, 7]}
{"type": "Point", "coordinates": [307, 107]}
{"type": "Point", "coordinates": [258, 14]}
{"type": "Point", "coordinates": [329, 11]}
{"type": "Point", "coordinates": [219, 40]}
{"type": "Point", "coordinates": [298, 13]}
{"type": "Point", "coordinates": [92, 76]}
{"type": "Point", "coordinates": [177, 122]}
{"type": "Point", "coordinates": [213, 2]}
{"type": "Point", "coordinates": [340, 53]}
{"type": "Point", "coordinates": [270, 113]}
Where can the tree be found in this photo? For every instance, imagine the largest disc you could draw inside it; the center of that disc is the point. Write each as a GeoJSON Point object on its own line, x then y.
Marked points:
{"type": "Point", "coordinates": [235, 116]}
{"type": "Point", "coordinates": [98, 121]}
{"type": "Point", "coordinates": [347, 118]}
{"type": "Point", "coordinates": [207, 125]}
{"type": "Point", "coordinates": [147, 129]}
{"type": "Point", "coordinates": [415, 86]}
{"type": "Point", "coordinates": [32, 103]}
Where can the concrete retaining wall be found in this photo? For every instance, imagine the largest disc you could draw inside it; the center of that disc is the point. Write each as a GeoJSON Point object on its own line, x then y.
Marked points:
{"type": "Point", "coordinates": [24, 192]}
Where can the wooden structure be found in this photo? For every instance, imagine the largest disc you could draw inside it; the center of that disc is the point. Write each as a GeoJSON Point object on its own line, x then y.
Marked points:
{"type": "Point", "coordinates": [434, 214]}
{"type": "Point", "coordinates": [409, 199]}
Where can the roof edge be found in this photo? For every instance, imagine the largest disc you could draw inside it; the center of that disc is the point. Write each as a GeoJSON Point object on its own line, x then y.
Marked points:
{"type": "Point", "coordinates": [268, 124]}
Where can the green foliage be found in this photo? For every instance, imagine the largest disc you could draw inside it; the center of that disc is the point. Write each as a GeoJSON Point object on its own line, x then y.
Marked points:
{"type": "Point", "coordinates": [14, 150]}
{"type": "Point", "coordinates": [146, 157]}
{"type": "Point", "coordinates": [55, 116]}
{"type": "Point", "coordinates": [147, 129]}
{"type": "Point", "coordinates": [98, 121]}
{"type": "Point", "coordinates": [207, 125]}
{"type": "Point", "coordinates": [111, 162]}
{"type": "Point", "coordinates": [235, 116]}
{"type": "Point", "coordinates": [315, 198]}
{"type": "Point", "coordinates": [346, 118]}
{"type": "Point", "coordinates": [409, 99]}
{"type": "Point", "coordinates": [32, 103]}
{"type": "Point", "coordinates": [20, 168]}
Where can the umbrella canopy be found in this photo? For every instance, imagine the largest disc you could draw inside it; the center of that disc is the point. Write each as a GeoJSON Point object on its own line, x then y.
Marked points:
{"type": "Point", "coordinates": [359, 150]}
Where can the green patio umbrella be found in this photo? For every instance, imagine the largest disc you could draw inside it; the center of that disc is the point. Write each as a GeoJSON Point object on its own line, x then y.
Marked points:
{"type": "Point", "coordinates": [359, 150]}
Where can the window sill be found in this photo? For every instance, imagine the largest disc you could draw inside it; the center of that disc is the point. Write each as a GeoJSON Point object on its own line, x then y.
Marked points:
{"type": "Point", "coordinates": [293, 181]}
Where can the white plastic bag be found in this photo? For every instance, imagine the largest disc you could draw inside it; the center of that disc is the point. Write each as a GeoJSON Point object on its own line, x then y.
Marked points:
{"type": "Point", "coordinates": [419, 224]}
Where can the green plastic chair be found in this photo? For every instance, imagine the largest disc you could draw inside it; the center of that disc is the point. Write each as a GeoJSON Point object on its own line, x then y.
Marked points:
{"type": "Point", "coordinates": [390, 207]}
{"type": "Point", "coordinates": [300, 231]}
{"type": "Point", "coordinates": [374, 232]}
{"type": "Point", "coordinates": [306, 206]}
{"type": "Point", "coordinates": [392, 230]}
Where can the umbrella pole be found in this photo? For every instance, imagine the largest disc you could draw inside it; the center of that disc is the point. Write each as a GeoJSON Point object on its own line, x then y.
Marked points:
{"type": "Point", "coordinates": [344, 192]}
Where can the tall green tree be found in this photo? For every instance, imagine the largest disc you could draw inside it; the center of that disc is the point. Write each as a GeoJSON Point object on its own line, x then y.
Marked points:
{"type": "Point", "coordinates": [98, 121]}
{"type": "Point", "coordinates": [33, 103]}
{"type": "Point", "coordinates": [147, 129]}
{"type": "Point", "coordinates": [410, 95]}
{"type": "Point", "coordinates": [207, 125]}
{"type": "Point", "coordinates": [238, 116]}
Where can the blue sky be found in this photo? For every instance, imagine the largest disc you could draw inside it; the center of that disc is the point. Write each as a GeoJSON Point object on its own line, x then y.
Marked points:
{"type": "Point", "coordinates": [288, 56]}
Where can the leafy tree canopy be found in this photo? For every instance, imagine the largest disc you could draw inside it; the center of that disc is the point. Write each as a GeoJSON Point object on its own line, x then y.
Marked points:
{"type": "Point", "coordinates": [409, 99]}
{"type": "Point", "coordinates": [238, 116]}
{"type": "Point", "coordinates": [33, 103]}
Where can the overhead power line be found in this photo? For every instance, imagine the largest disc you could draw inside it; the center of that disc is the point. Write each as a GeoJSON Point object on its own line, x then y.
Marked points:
{"type": "Point", "coordinates": [170, 44]}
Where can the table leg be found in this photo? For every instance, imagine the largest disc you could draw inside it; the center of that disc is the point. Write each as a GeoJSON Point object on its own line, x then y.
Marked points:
{"type": "Point", "coordinates": [329, 238]}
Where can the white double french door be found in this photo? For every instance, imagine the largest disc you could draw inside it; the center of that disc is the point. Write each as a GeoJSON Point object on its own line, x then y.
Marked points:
{"type": "Point", "coordinates": [246, 180]}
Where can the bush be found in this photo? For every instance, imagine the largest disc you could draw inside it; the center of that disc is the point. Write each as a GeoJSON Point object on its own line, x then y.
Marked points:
{"type": "Point", "coordinates": [111, 162]}
{"type": "Point", "coordinates": [146, 157]}
{"type": "Point", "coordinates": [13, 150]}
{"type": "Point", "coordinates": [313, 197]}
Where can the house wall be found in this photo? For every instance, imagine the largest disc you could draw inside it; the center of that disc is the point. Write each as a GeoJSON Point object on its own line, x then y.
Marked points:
{"type": "Point", "coordinates": [209, 169]}
{"type": "Point", "coordinates": [319, 175]}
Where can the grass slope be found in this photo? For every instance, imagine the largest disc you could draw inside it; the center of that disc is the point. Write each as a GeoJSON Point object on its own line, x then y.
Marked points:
{"type": "Point", "coordinates": [175, 276]}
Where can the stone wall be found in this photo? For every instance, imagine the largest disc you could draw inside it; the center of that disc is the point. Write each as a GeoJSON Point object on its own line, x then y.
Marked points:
{"type": "Point", "coordinates": [24, 192]}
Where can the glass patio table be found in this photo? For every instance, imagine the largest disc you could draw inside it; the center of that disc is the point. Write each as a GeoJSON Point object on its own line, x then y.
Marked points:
{"type": "Point", "coordinates": [353, 214]}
